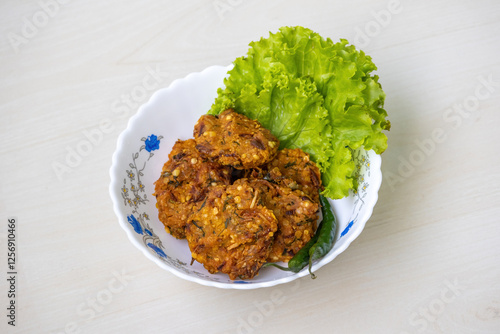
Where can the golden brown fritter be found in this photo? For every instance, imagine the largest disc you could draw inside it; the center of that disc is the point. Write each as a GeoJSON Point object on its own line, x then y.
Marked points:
{"type": "Point", "coordinates": [234, 139]}
{"type": "Point", "coordinates": [292, 168]}
{"type": "Point", "coordinates": [183, 183]}
{"type": "Point", "coordinates": [230, 232]}
{"type": "Point", "coordinates": [267, 215]}
{"type": "Point", "coordinates": [296, 213]}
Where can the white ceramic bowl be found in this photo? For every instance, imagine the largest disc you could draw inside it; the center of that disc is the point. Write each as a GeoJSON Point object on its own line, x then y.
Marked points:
{"type": "Point", "coordinates": [142, 150]}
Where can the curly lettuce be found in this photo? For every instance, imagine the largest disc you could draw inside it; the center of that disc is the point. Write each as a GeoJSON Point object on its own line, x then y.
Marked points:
{"type": "Point", "coordinates": [311, 94]}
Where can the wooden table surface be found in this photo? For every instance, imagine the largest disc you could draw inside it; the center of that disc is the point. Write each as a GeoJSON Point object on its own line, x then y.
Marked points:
{"type": "Point", "coordinates": [428, 260]}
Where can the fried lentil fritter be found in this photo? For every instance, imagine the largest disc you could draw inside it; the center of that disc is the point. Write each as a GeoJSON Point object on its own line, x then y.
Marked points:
{"type": "Point", "coordinates": [231, 232]}
{"type": "Point", "coordinates": [292, 168]}
{"type": "Point", "coordinates": [184, 182]}
{"type": "Point", "coordinates": [238, 200]}
{"type": "Point", "coordinates": [234, 139]}
{"type": "Point", "coordinates": [296, 213]}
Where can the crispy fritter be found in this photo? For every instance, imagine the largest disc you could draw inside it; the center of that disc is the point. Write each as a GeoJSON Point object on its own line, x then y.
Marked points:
{"type": "Point", "coordinates": [234, 139]}
{"type": "Point", "coordinates": [292, 168]}
{"type": "Point", "coordinates": [296, 213]}
{"type": "Point", "coordinates": [231, 232]}
{"type": "Point", "coordinates": [183, 183]}
{"type": "Point", "coordinates": [238, 200]}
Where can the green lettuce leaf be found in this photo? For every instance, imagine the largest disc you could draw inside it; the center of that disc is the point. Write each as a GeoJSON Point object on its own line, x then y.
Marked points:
{"type": "Point", "coordinates": [312, 94]}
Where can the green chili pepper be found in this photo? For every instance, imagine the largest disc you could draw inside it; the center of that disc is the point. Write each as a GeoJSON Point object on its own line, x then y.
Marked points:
{"type": "Point", "coordinates": [326, 235]}
{"type": "Point", "coordinates": [319, 245]}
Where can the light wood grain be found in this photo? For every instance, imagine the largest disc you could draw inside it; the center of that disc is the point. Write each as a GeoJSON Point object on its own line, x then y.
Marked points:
{"type": "Point", "coordinates": [428, 260]}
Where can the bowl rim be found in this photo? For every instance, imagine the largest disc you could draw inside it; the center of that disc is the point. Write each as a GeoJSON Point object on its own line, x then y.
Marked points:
{"type": "Point", "coordinates": [113, 173]}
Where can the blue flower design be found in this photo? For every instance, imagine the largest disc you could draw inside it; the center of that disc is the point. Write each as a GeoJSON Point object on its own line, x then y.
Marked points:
{"type": "Point", "coordinates": [135, 224]}
{"type": "Point", "coordinates": [148, 232]}
{"type": "Point", "coordinates": [152, 143]}
{"type": "Point", "coordinates": [347, 228]}
{"type": "Point", "coordinates": [157, 250]}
